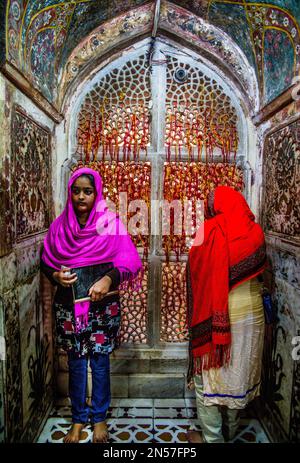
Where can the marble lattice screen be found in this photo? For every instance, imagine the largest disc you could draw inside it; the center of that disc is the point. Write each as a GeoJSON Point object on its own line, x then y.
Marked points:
{"type": "Point", "coordinates": [199, 138]}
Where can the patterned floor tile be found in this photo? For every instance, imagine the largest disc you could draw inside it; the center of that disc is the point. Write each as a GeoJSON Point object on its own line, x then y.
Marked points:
{"type": "Point", "coordinates": [115, 403]}
{"type": "Point", "coordinates": [169, 408]}
{"type": "Point", "coordinates": [113, 412]}
{"type": "Point", "coordinates": [250, 431]}
{"type": "Point", "coordinates": [170, 431]}
{"type": "Point", "coordinates": [56, 428]}
{"type": "Point", "coordinates": [131, 431]}
{"type": "Point", "coordinates": [129, 422]}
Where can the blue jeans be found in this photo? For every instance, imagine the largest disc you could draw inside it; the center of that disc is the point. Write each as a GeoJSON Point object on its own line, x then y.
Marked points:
{"type": "Point", "coordinates": [100, 387]}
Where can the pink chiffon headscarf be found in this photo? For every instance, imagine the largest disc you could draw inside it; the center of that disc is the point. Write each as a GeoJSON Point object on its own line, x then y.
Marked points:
{"type": "Point", "coordinates": [103, 239]}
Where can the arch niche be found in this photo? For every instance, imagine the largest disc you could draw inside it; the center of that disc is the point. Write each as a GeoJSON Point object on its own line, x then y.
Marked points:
{"type": "Point", "coordinates": [146, 85]}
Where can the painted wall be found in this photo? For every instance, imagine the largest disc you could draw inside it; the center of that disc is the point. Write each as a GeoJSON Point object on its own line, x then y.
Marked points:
{"type": "Point", "coordinates": [25, 305]}
{"type": "Point", "coordinates": [268, 34]}
{"type": "Point", "coordinates": [281, 218]}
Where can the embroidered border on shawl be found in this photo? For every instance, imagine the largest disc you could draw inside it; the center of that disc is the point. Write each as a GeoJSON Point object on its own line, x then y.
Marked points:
{"type": "Point", "coordinates": [221, 322]}
{"type": "Point", "coordinates": [202, 333]}
{"type": "Point", "coordinates": [248, 266]}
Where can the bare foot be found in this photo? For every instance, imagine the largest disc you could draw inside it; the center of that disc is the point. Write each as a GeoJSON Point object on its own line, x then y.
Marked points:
{"type": "Point", "coordinates": [100, 434]}
{"type": "Point", "coordinates": [194, 437]}
{"type": "Point", "coordinates": [73, 435]}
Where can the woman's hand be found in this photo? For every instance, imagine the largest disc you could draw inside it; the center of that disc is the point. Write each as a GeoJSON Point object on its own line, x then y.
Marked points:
{"type": "Point", "coordinates": [63, 279]}
{"type": "Point", "coordinates": [100, 288]}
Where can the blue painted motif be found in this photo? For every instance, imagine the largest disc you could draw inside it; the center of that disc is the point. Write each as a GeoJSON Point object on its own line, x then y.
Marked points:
{"type": "Point", "coordinates": [33, 7]}
{"type": "Point", "coordinates": [278, 63]}
{"type": "Point", "coordinates": [42, 62]}
{"type": "Point", "coordinates": [232, 19]}
{"type": "Point", "coordinates": [292, 6]}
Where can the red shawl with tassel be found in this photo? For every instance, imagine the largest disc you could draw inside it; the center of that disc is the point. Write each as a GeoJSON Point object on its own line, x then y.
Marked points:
{"type": "Point", "coordinates": [232, 251]}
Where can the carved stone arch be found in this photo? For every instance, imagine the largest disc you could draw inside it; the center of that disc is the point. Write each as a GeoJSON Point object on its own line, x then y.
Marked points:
{"type": "Point", "coordinates": [215, 46]}
{"type": "Point", "coordinates": [85, 80]}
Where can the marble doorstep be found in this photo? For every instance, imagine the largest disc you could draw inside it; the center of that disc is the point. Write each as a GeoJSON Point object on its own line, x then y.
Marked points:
{"type": "Point", "coordinates": [145, 420]}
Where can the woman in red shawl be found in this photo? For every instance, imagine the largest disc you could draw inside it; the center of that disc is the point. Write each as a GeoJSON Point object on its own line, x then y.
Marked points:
{"type": "Point", "coordinates": [225, 312]}
{"type": "Point", "coordinates": [88, 238]}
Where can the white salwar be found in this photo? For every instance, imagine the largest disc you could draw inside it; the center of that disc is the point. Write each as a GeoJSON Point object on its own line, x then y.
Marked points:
{"type": "Point", "coordinates": [236, 385]}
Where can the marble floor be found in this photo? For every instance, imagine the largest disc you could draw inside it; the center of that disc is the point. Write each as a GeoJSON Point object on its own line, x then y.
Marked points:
{"type": "Point", "coordinates": [146, 420]}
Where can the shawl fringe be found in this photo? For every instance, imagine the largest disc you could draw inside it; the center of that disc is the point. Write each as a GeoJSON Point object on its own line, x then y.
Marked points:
{"type": "Point", "coordinates": [81, 315]}
{"type": "Point", "coordinates": [214, 268]}
{"type": "Point", "coordinates": [218, 357]}
{"type": "Point", "coordinates": [131, 281]}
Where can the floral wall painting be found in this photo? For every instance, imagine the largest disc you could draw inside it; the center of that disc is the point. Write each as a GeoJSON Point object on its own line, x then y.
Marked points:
{"type": "Point", "coordinates": [281, 213]}
{"type": "Point", "coordinates": [280, 218]}
{"type": "Point", "coordinates": [13, 383]}
{"type": "Point", "coordinates": [31, 154]}
{"type": "Point", "coordinates": [28, 365]}
{"type": "Point", "coordinates": [39, 389]}
{"type": "Point", "coordinates": [268, 32]}
{"type": "Point", "coordinates": [233, 19]}
{"type": "Point", "coordinates": [41, 36]}
{"type": "Point", "coordinates": [278, 55]}
{"type": "Point", "coordinates": [295, 414]}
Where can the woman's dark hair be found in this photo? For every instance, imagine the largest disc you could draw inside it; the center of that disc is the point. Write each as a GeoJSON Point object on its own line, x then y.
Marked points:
{"type": "Point", "coordinates": [90, 177]}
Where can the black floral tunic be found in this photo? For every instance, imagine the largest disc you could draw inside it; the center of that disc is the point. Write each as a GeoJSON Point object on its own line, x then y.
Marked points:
{"type": "Point", "coordinates": [102, 332]}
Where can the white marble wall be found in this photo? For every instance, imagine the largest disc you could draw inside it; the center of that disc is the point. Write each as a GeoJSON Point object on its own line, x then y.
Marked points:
{"type": "Point", "coordinates": [22, 407]}
{"type": "Point", "coordinates": [283, 402]}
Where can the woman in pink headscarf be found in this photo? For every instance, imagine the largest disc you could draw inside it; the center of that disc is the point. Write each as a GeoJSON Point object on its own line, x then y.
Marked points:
{"type": "Point", "coordinates": [87, 236]}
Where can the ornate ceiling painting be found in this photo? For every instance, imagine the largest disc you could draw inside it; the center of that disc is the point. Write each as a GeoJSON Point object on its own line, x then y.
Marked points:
{"type": "Point", "coordinates": [217, 46]}
{"type": "Point", "coordinates": [50, 40]}
{"type": "Point", "coordinates": [41, 34]}
{"type": "Point", "coordinates": [269, 35]}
